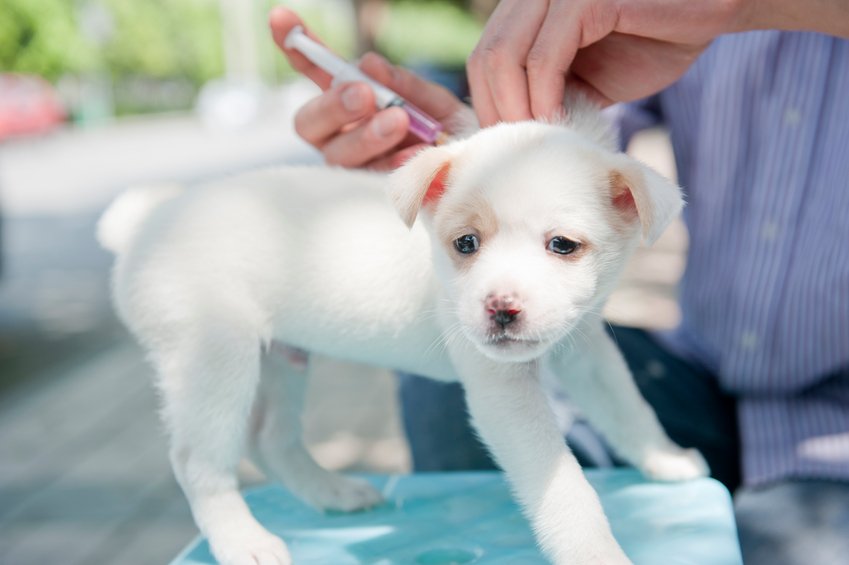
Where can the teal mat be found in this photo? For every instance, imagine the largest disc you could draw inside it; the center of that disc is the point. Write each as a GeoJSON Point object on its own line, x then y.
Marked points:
{"type": "Point", "coordinates": [460, 518]}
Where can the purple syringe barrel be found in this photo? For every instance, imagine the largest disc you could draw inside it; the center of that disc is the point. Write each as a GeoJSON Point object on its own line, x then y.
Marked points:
{"type": "Point", "coordinates": [421, 125]}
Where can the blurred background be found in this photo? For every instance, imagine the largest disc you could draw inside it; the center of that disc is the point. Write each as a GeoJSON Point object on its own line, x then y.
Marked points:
{"type": "Point", "coordinates": [99, 95]}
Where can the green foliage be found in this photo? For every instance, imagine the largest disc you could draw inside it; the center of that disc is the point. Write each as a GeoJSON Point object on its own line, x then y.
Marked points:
{"type": "Point", "coordinates": [141, 42]}
{"type": "Point", "coordinates": [41, 37]}
{"type": "Point", "coordinates": [440, 32]}
{"type": "Point", "coordinates": [335, 29]}
{"type": "Point", "coordinates": [164, 39]}
{"type": "Point", "coordinates": [436, 31]}
{"type": "Point", "coordinates": [155, 38]}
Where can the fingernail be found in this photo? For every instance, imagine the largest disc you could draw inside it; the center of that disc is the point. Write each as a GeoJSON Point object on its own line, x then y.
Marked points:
{"type": "Point", "coordinates": [353, 98]}
{"type": "Point", "coordinates": [384, 124]}
{"type": "Point", "coordinates": [276, 11]}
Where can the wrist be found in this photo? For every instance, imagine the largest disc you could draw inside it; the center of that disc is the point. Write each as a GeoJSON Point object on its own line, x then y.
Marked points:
{"type": "Point", "coordinates": [825, 16]}
{"type": "Point", "coordinates": [765, 14]}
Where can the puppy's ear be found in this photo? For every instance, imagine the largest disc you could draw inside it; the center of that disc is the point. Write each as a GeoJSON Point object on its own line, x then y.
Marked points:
{"type": "Point", "coordinates": [420, 182]}
{"type": "Point", "coordinates": [638, 192]}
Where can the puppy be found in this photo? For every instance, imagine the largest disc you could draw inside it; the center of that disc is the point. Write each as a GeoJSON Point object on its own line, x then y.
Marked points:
{"type": "Point", "coordinates": [491, 256]}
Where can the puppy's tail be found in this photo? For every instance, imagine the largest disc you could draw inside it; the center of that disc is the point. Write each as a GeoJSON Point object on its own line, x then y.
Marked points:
{"type": "Point", "coordinates": [119, 224]}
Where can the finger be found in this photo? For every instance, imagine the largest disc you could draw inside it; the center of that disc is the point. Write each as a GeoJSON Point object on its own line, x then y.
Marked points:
{"type": "Point", "coordinates": [282, 20]}
{"type": "Point", "coordinates": [395, 159]}
{"type": "Point", "coordinates": [549, 60]}
{"type": "Point", "coordinates": [497, 65]}
{"type": "Point", "coordinates": [369, 140]}
{"type": "Point", "coordinates": [505, 68]}
{"type": "Point", "coordinates": [479, 91]}
{"type": "Point", "coordinates": [568, 26]}
{"type": "Point", "coordinates": [477, 70]}
{"type": "Point", "coordinates": [437, 101]}
{"type": "Point", "coordinates": [325, 115]}
{"type": "Point", "coordinates": [574, 83]}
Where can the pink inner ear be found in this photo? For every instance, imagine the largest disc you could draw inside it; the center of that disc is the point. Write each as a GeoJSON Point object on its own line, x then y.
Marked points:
{"type": "Point", "coordinates": [436, 186]}
{"type": "Point", "coordinates": [623, 199]}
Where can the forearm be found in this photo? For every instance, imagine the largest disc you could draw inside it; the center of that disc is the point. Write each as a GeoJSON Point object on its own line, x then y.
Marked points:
{"type": "Point", "coordinates": [825, 16]}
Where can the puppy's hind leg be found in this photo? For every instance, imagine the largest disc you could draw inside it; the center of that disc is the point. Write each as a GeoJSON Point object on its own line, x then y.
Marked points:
{"type": "Point", "coordinates": [277, 439]}
{"type": "Point", "coordinates": [208, 380]}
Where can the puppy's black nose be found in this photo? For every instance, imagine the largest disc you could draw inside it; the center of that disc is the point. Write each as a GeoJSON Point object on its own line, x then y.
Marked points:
{"type": "Point", "coordinates": [504, 317]}
{"type": "Point", "coordinates": [503, 309]}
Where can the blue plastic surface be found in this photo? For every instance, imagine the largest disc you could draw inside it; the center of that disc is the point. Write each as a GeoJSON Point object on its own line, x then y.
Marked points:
{"type": "Point", "coordinates": [464, 518]}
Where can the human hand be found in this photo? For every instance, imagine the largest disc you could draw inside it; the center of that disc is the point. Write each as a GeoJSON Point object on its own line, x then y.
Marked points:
{"type": "Point", "coordinates": [344, 123]}
{"type": "Point", "coordinates": [530, 53]}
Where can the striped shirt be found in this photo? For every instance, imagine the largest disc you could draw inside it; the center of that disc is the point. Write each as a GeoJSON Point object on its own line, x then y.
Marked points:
{"type": "Point", "coordinates": [760, 129]}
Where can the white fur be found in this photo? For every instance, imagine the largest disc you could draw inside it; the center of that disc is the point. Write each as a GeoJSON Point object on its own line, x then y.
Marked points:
{"type": "Point", "coordinates": [209, 277]}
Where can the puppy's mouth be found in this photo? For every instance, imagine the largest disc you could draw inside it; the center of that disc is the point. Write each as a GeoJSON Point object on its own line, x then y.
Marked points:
{"type": "Point", "coordinates": [505, 347]}
{"type": "Point", "coordinates": [504, 339]}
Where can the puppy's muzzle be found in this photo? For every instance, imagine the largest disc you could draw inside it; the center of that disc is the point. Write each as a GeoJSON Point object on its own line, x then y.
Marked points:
{"type": "Point", "coordinates": [502, 309]}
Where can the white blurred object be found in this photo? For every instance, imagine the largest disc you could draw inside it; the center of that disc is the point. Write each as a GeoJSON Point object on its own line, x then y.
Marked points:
{"type": "Point", "coordinates": [229, 104]}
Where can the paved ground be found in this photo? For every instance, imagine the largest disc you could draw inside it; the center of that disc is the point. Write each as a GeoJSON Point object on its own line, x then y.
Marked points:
{"type": "Point", "coordinates": [84, 476]}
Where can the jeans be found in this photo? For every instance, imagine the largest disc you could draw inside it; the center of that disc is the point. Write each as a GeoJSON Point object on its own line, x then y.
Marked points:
{"type": "Point", "coordinates": [792, 522]}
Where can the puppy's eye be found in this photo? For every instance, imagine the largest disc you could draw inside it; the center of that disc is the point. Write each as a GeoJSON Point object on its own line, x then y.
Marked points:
{"type": "Point", "coordinates": [562, 245]}
{"type": "Point", "coordinates": [467, 244]}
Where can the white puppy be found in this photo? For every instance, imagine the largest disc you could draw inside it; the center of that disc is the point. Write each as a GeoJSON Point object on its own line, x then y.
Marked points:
{"type": "Point", "coordinates": [525, 228]}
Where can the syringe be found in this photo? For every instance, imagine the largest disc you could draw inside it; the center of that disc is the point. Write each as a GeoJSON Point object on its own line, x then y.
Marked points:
{"type": "Point", "coordinates": [423, 126]}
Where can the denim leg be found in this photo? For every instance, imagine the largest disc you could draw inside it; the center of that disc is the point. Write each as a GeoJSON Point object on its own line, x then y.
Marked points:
{"type": "Point", "coordinates": [794, 522]}
{"type": "Point", "coordinates": [441, 438]}
{"type": "Point", "coordinates": [688, 402]}
{"type": "Point", "coordinates": [437, 425]}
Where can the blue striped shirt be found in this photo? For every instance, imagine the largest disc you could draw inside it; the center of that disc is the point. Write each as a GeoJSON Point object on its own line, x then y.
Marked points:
{"type": "Point", "coordinates": [760, 129]}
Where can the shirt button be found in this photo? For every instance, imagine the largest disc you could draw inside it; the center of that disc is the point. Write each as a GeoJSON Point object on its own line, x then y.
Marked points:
{"type": "Point", "coordinates": [769, 231]}
{"type": "Point", "coordinates": [749, 341]}
{"type": "Point", "coordinates": [792, 116]}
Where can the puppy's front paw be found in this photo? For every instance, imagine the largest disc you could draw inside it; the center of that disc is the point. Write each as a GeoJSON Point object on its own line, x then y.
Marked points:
{"type": "Point", "coordinates": [250, 546]}
{"type": "Point", "coordinates": [675, 464]}
{"type": "Point", "coordinates": [337, 492]}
